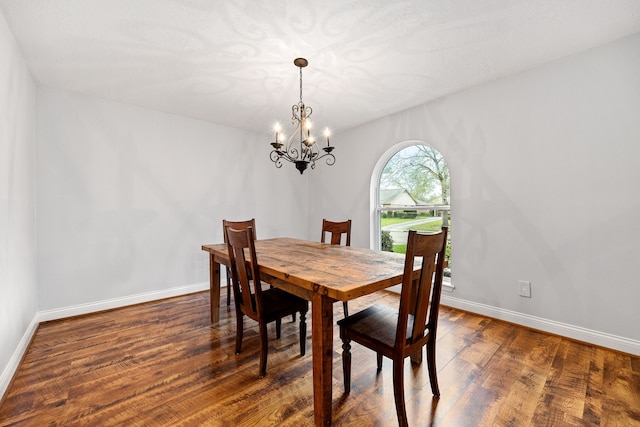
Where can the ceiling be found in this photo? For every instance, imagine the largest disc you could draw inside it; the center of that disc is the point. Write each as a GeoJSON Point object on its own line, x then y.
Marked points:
{"type": "Point", "coordinates": [231, 62]}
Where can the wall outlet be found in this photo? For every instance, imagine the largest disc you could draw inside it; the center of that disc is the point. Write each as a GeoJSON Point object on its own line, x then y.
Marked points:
{"type": "Point", "coordinates": [525, 288]}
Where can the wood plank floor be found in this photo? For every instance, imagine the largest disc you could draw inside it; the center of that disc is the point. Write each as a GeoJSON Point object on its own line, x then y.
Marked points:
{"type": "Point", "coordinates": [161, 363]}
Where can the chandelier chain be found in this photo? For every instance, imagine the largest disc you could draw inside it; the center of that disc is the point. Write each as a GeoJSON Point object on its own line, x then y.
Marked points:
{"type": "Point", "coordinates": [301, 86]}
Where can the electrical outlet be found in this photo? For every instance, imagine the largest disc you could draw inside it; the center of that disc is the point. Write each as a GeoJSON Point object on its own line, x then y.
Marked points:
{"type": "Point", "coordinates": [525, 288]}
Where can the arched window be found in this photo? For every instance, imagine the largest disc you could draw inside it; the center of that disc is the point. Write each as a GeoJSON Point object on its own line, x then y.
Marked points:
{"type": "Point", "coordinates": [410, 189]}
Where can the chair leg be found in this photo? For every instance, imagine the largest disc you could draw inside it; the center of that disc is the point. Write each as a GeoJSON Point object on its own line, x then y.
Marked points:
{"type": "Point", "coordinates": [264, 346]}
{"type": "Point", "coordinates": [278, 327]}
{"type": "Point", "coordinates": [345, 308]}
{"type": "Point", "coordinates": [293, 315]}
{"type": "Point", "coordinates": [431, 364]}
{"type": "Point", "coordinates": [398, 392]}
{"type": "Point", "coordinates": [346, 365]}
{"type": "Point", "coordinates": [239, 330]}
{"type": "Point", "coordinates": [379, 355]}
{"type": "Point", "coordinates": [228, 287]}
{"type": "Point", "coordinates": [303, 332]}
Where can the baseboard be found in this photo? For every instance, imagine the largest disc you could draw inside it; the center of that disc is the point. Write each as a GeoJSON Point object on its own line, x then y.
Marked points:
{"type": "Point", "coordinates": [16, 358]}
{"type": "Point", "coordinates": [77, 310]}
{"type": "Point", "coordinates": [614, 342]}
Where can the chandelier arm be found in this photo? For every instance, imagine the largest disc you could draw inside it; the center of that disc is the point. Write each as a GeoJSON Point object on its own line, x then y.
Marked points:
{"type": "Point", "coordinates": [292, 154]}
{"type": "Point", "coordinates": [276, 158]}
{"type": "Point", "coordinates": [295, 118]}
{"type": "Point", "coordinates": [331, 159]}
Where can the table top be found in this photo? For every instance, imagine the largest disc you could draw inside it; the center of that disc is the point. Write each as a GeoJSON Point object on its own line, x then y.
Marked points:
{"type": "Point", "coordinates": [339, 272]}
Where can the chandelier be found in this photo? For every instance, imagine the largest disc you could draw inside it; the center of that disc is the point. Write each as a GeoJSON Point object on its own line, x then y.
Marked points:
{"type": "Point", "coordinates": [304, 152]}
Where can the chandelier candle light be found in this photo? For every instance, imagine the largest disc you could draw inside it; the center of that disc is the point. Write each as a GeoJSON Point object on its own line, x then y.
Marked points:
{"type": "Point", "coordinates": [308, 151]}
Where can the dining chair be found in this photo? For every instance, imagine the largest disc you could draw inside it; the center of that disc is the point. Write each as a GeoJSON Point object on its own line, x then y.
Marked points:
{"type": "Point", "coordinates": [336, 230]}
{"type": "Point", "coordinates": [395, 333]}
{"type": "Point", "coordinates": [262, 305]}
{"type": "Point", "coordinates": [238, 225]}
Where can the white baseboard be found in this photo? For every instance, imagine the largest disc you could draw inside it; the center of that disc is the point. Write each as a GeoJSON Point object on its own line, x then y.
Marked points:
{"type": "Point", "coordinates": [76, 310]}
{"type": "Point", "coordinates": [614, 342]}
{"type": "Point", "coordinates": [14, 362]}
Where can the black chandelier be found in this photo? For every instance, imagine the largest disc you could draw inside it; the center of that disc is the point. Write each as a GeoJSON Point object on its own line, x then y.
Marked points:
{"type": "Point", "coordinates": [308, 151]}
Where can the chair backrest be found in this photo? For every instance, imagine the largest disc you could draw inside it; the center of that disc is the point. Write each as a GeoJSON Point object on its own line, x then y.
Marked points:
{"type": "Point", "coordinates": [421, 297]}
{"type": "Point", "coordinates": [248, 293]}
{"type": "Point", "coordinates": [336, 229]}
{"type": "Point", "coordinates": [238, 225]}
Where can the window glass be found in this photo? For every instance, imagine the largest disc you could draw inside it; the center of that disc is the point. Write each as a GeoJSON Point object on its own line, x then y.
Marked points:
{"type": "Point", "coordinates": [414, 189]}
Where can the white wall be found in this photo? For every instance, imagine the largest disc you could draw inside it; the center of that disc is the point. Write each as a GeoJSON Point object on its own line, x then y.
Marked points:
{"type": "Point", "coordinates": [127, 197]}
{"type": "Point", "coordinates": [18, 291]}
{"type": "Point", "coordinates": [545, 187]}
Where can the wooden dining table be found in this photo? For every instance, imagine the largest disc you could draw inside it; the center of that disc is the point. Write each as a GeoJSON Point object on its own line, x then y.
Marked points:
{"type": "Point", "coordinates": [320, 273]}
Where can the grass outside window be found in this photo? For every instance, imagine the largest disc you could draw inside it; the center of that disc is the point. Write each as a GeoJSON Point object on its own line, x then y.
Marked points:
{"type": "Point", "coordinates": [433, 226]}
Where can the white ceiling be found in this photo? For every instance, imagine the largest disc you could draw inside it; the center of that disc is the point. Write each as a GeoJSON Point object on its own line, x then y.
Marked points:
{"type": "Point", "coordinates": [231, 62]}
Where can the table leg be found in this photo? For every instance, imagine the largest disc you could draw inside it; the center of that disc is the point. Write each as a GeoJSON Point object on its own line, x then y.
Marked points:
{"type": "Point", "coordinates": [214, 289]}
{"type": "Point", "coordinates": [322, 346]}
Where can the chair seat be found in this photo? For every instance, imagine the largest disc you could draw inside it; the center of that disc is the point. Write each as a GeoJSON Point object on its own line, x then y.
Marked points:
{"type": "Point", "coordinates": [375, 327]}
{"type": "Point", "coordinates": [277, 304]}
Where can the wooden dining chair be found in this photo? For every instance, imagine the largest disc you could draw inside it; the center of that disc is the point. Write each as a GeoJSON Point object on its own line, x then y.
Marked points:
{"type": "Point", "coordinates": [262, 305]}
{"type": "Point", "coordinates": [397, 334]}
{"type": "Point", "coordinates": [238, 225]}
{"type": "Point", "coordinates": [336, 230]}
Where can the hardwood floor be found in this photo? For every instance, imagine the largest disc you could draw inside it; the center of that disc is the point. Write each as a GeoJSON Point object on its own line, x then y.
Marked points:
{"type": "Point", "coordinates": [161, 363]}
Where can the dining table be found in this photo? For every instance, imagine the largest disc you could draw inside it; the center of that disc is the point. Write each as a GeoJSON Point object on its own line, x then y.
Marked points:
{"type": "Point", "coordinates": [320, 273]}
